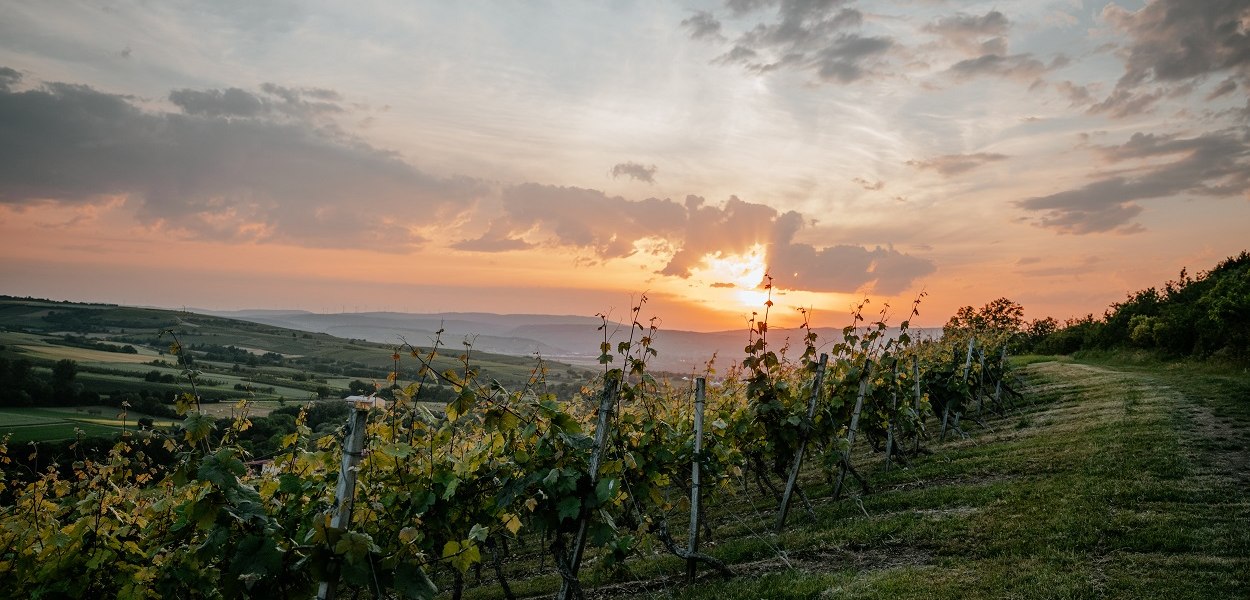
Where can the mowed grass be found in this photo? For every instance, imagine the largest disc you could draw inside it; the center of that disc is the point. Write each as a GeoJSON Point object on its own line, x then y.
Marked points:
{"type": "Point", "coordinates": [62, 423]}
{"type": "Point", "coordinates": [1105, 484]}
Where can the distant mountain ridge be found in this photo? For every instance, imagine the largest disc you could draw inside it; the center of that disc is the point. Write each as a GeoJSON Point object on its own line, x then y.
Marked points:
{"type": "Point", "coordinates": [566, 338]}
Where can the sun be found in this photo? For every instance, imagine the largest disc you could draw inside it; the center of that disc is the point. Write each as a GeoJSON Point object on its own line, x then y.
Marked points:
{"type": "Point", "coordinates": [745, 271]}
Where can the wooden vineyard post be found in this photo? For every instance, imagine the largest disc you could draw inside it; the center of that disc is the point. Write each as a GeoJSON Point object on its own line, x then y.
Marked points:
{"type": "Point", "coordinates": [972, 346]}
{"type": "Point", "coordinates": [345, 489]}
{"type": "Point", "coordinates": [700, 393]}
{"type": "Point", "coordinates": [850, 435]}
{"type": "Point", "coordinates": [567, 590]}
{"type": "Point", "coordinates": [889, 427]}
{"type": "Point", "coordinates": [792, 481]}
{"type": "Point", "coordinates": [915, 375]}
{"type": "Point", "coordinates": [1002, 372]}
{"type": "Point", "coordinates": [947, 411]}
{"type": "Point", "coordinates": [981, 382]}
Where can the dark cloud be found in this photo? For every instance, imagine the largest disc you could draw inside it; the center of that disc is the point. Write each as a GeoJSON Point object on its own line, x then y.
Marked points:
{"type": "Point", "coordinates": [223, 168]}
{"type": "Point", "coordinates": [612, 227]}
{"type": "Point", "coordinates": [703, 25]}
{"type": "Point", "coordinates": [1213, 164]}
{"type": "Point", "coordinates": [1124, 102]}
{"type": "Point", "coordinates": [954, 164]}
{"type": "Point", "coordinates": [606, 225]}
{"type": "Point", "coordinates": [1016, 66]}
{"type": "Point", "coordinates": [845, 57]}
{"type": "Point", "coordinates": [8, 78]}
{"type": "Point", "coordinates": [742, 7]}
{"type": "Point", "coordinates": [494, 240]}
{"type": "Point", "coordinates": [1177, 42]}
{"type": "Point", "coordinates": [635, 170]}
{"type": "Point", "coordinates": [975, 35]}
{"type": "Point", "coordinates": [1174, 40]}
{"type": "Point", "coordinates": [230, 102]}
{"type": "Point", "coordinates": [298, 103]}
{"type": "Point", "coordinates": [844, 268]}
{"type": "Point", "coordinates": [802, 35]}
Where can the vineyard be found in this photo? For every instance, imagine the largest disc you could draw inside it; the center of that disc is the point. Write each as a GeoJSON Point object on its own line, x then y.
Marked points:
{"type": "Point", "coordinates": [507, 491]}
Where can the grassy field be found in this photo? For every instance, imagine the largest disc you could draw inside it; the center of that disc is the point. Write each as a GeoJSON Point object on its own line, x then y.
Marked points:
{"type": "Point", "coordinates": [52, 424]}
{"type": "Point", "coordinates": [1110, 482]}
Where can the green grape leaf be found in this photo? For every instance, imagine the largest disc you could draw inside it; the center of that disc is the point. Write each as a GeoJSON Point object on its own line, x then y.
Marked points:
{"type": "Point", "coordinates": [462, 404]}
{"type": "Point", "coordinates": [606, 489]}
{"type": "Point", "coordinates": [412, 582]}
{"type": "Point", "coordinates": [222, 468]}
{"type": "Point", "coordinates": [355, 546]}
{"type": "Point", "coordinates": [197, 426]}
{"type": "Point", "coordinates": [569, 508]}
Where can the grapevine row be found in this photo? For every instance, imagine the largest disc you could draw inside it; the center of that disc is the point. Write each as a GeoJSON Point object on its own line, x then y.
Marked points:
{"type": "Point", "coordinates": [442, 490]}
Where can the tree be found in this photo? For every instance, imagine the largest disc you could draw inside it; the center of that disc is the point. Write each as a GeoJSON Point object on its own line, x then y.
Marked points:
{"type": "Point", "coordinates": [1001, 316]}
{"type": "Point", "coordinates": [63, 372]}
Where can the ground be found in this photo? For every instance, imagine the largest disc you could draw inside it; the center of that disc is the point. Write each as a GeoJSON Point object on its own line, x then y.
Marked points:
{"type": "Point", "coordinates": [1106, 482]}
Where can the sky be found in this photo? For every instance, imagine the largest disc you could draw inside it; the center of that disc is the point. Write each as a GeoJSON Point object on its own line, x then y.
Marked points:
{"type": "Point", "coordinates": [570, 157]}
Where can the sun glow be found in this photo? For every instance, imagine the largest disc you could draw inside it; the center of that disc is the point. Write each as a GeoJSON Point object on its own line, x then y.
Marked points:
{"type": "Point", "coordinates": [745, 271]}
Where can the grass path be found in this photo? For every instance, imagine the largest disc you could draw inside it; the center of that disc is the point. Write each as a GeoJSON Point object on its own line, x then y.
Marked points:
{"type": "Point", "coordinates": [1107, 483]}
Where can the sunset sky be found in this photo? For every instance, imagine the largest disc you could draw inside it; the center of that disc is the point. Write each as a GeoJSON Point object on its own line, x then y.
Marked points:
{"type": "Point", "coordinates": [561, 157]}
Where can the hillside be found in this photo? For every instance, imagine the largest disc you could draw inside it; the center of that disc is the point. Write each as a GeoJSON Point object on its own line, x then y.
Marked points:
{"type": "Point", "coordinates": [564, 338]}
{"type": "Point", "coordinates": [120, 349]}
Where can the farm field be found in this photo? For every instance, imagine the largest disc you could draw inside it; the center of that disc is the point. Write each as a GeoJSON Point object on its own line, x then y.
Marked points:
{"type": "Point", "coordinates": [53, 424]}
{"type": "Point", "coordinates": [1108, 482]}
{"type": "Point", "coordinates": [126, 352]}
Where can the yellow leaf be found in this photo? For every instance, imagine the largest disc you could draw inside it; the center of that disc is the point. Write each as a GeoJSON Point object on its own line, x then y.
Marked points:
{"type": "Point", "coordinates": [531, 504]}
{"type": "Point", "coordinates": [268, 487]}
{"type": "Point", "coordinates": [408, 535]}
{"type": "Point", "coordinates": [511, 522]}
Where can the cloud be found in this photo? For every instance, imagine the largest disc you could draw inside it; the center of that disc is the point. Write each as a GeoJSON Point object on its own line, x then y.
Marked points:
{"type": "Point", "coordinates": [1015, 66]}
{"type": "Point", "coordinates": [973, 34]}
{"type": "Point", "coordinates": [805, 36]}
{"type": "Point", "coordinates": [1124, 102]}
{"type": "Point", "coordinates": [276, 101]}
{"type": "Point", "coordinates": [493, 240]}
{"type": "Point", "coordinates": [8, 78]}
{"type": "Point", "coordinates": [231, 102]}
{"type": "Point", "coordinates": [871, 186]}
{"type": "Point", "coordinates": [684, 234]}
{"type": "Point", "coordinates": [1227, 86]}
{"type": "Point", "coordinates": [703, 25]}
{"type": "Point", "coordinates": [1213, 164]}
{"type": "Point", "coordinates": [231, 165]}
{"type": "Point", "coordinates": [607, 226]}
{"type": "Point", "coordinates": [954, 164]}
{"type": "Point", "coordinates": [845, 57]}
{"type": "Point", "coordinates": [1077, 95]}
{"type": "Point", "coordinates": [1177, 42]}
{"type": "Point", "coordinates": [635, 170]}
